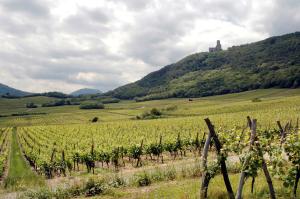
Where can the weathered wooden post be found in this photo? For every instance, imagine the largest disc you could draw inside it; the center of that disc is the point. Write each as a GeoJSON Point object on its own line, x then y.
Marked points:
{"type": "Point", "coordinates": [243, 173]}
{"type": "Point", "coordinates": [205, 177]}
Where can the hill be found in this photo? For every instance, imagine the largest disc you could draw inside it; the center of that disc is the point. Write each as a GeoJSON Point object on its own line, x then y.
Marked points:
{"type": "Point", "coordinates": [85, 91]}
{"type": "Point", "coordinates": [273, 62]}
{"type": "Point", "coordinates": [8, 91]}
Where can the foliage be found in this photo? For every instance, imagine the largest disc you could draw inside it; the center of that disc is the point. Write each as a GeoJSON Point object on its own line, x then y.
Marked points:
{"type": "Point", "coordinates": [91, 106]}
{"type": "Point", "coordinates": [143, 179]}
{"type": "Point", "coordinates": [110, 100]}
{"type": "Point", "coordinates": [94, 187]}
{"type": "Point", "coordinates": [31, 105]}
{"type": "Point", "coordinates": [152, 114]}
{"type": "Point", "coordinates": [62, 102]}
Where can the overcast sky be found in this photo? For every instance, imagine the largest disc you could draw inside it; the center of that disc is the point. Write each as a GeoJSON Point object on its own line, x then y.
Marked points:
{"type": "Point", "coordinates": [65, 45]}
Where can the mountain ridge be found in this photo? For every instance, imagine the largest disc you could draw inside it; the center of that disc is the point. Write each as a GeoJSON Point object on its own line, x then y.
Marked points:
{"type": "Point", "coordinates": [85, 91]}
{"type": "Point", "coordinates": [272, 62]}
{"type": "Point", "coordinates": [9, 91]}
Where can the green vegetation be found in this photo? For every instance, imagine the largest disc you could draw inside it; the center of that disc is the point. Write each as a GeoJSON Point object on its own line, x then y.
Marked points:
{"type": "Point", "coordinates": [53, 143]}
{"type": "Point", "coordinates": [95, 119]}
{"type": "Point", "coordinates": [110, 100]}
{"type": "Point", "coordinates": [5, 139]}
{"type": "Point", "coordinates": [62, 102]}
{"type": "Point", "coordinates": [20, 175]}
{"type": "Point", "coordinates": [152, 114]}
{"type": "Point", "coordinates": [273, 62]}
{"type": "Point", "coordinates": [31, 105]}
{"type": "Point", "coordinates": [91, 106]}
{"type": "Point", "coordinates": [66, 142]}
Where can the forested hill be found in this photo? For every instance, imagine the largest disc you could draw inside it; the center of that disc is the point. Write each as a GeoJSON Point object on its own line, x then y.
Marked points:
{"type": "Point", "coordinates": [273, 62]}
{"type": "Point", "coordinates": [8, 91]}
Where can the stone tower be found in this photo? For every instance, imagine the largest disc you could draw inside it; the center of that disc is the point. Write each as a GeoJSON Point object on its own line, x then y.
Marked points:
{"type": "Point", "coordinates": [217, 48]}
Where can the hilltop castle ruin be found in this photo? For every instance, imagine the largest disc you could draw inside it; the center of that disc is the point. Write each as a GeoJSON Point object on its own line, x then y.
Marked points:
{"type": "Point", "coordinates": [217, 48]}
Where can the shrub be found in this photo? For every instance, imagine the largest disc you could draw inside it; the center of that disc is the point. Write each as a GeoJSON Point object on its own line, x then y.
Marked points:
{"type": "Point", "coordinates": [31, 105]}
{"type": "Point", "coordinates": [143, 179]}
{"type": "Point", "coordinates": [40, 194]}
{"type": "Point", "coordinates": [110, 100]}
{"type": "Point", "coordinates": [92, 106]}
{"type": "Point", "coordinates": [170, 174]}
{"type": "Point", "coordinates": [153, 114]}
{"type": "Point", "coordinates": [75, 190]}
{"type": "Point", "coordinates": [158, 175]}
{"type": "Point", "coordinates": [62, 194]}
{"type": "Point", "coordinates": [57, 103]}
{"type": "Point", "coordinates": [117, 181]}
{"type": "Point", "coordinates": [95, 119]}
{"type": "Point", "coordinates": [256, 99]}
{"type": "Point", "coordinates": [93, 188]}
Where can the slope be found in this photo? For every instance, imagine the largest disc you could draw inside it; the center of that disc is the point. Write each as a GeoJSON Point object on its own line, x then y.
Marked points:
{"type": "Point", "coordinates": [6, 90]}
{"type": "Point", "coordinates": [273, 62]}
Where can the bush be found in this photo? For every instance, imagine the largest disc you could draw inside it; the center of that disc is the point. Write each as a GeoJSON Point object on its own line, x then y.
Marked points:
{"type": "Point", "coordinates": [31, 105]}
{"type": "Point", "coordinates": [143, 179]}
{"type": "Point", "coordinates": [158, 175]}
{"type": "Point", "coordinates": [40, 194]}
{"type": "Point", "coordinates": [117, 181]}
{"type": "Point", "coordinates": [95, 119]}
{"type": "Point", "coordinates": [62, 194]}
{"type": "Point", "coordinates": [57, 103]}
{"type": "Point", "coordinates": [93, 188]}
{"type": "Point", "coordinates": [110, 100]}
{"type": "Point", "coordinates": [171, 174]}
{"type": "Point", "coordinates": [92, 106]}
{"type": "Point", "coordinates": [256, 99]}
{"type": "Point", "coordinates": [153, 114]}
{"type": "Point", "coordinates": [75, 190]}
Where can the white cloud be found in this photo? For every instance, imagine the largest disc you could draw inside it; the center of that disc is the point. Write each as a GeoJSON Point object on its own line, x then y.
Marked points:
{"type": "Point", "coordinates": [107, 43]}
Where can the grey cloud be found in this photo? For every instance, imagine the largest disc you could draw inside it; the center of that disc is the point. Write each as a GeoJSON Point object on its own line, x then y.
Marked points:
{"type": "Point", "coordinates": [114, 43]}
{"type": "Point", "coordinates": [155, 34]}
{"type": "Point", "coordinates": [88, 21]}
{"type": "Point", "coordinates": [283, 17]}
{"type": "Point", "coordinates": [135, 4]}
{"type": "Point", "coordinates": [33, 8]}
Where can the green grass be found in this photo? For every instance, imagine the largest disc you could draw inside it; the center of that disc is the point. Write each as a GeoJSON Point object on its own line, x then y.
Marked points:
{"type": "Point", "coordinates": [20, 175]}
{"type": "Point", "coordinates": [190, 189]}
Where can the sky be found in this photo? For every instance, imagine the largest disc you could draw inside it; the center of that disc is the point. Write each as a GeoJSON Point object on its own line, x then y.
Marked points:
{"type": "Point", "coordinates": [65, 45]}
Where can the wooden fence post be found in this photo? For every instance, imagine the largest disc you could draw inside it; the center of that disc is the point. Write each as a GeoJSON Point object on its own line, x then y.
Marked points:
{"type": "Point", "coordinates": [222, 161]}
{"type": "Point", "coordinates": [243, 173]}
{"type": "Point", "coordinates": [205, 177]}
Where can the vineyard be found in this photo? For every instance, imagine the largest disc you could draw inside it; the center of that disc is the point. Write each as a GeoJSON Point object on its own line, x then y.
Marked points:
{"type": "Point", "coordinates": [182, 144]}
{"type": "Point", "coordinates": [59, 150]}
{"type": "Point", "coordinates": [4, 148]}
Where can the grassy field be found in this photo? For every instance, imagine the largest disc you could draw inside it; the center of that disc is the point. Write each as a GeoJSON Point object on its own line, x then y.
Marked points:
{"type": "Point", "coordinates": [274, 104]}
